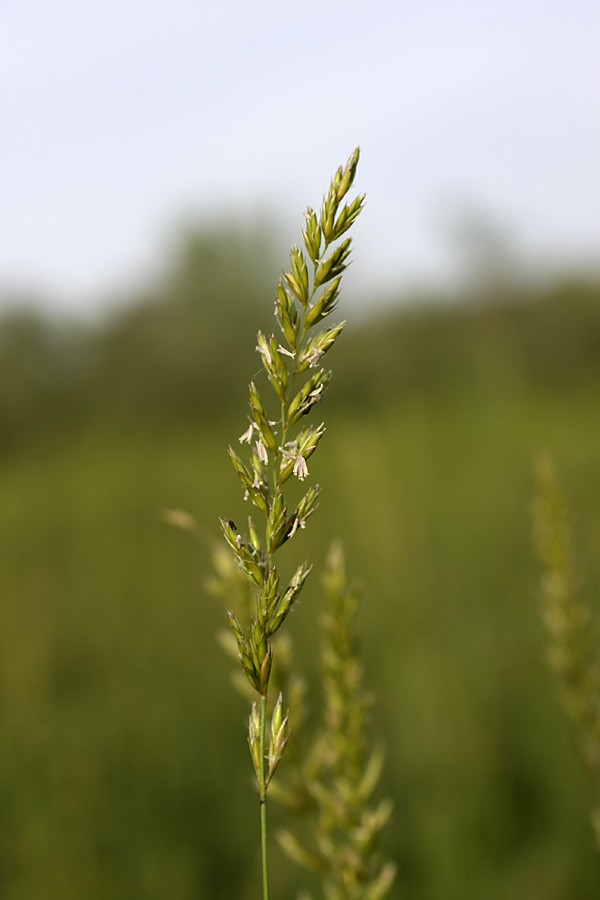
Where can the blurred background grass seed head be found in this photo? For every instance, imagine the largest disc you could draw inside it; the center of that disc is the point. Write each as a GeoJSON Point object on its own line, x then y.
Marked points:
{"type": "Point", "coordinates": [151, 201]}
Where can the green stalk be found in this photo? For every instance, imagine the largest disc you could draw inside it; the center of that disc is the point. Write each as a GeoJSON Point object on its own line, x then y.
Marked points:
{"type": "Point", "coordinates": [263, 798]}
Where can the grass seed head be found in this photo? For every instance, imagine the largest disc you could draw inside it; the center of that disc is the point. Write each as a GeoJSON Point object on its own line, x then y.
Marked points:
{"type": "Point", "coordinates": [298, 278]}
{"type": "Point", "coordinates": [344, 183]}
{"type": "Point", "coordinates": [317, 347]}
{"type": "Point", "coordinates": [312, 236]}
{"type": "Point", "coordinates": [573, 652]}
{"type": "Point", "coordinates": [335, 264]}
{"type": "Point", "coordinates": [286, 312]}
{"type": "Point", "coordinates": [302, 300]}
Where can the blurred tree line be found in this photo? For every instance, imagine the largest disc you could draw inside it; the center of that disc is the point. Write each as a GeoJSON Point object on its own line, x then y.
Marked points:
{"type": "Point", "coordinates": [176, 350]}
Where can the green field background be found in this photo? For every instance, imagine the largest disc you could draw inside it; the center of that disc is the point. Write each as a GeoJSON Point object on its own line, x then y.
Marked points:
{"type": "Point", "coordinates": [124, 769]}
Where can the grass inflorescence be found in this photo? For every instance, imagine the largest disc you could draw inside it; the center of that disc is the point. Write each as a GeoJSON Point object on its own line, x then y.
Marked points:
{"type": "Point", "coordinates": [335, 781]}
{"type": "Point", "coordinates": [574, 650]}
{"type": "Point", "coordinates": [281, 448]}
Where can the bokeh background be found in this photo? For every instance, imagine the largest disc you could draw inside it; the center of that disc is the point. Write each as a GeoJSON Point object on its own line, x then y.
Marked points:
{"type": "Point", "coordinates": [157, 158]}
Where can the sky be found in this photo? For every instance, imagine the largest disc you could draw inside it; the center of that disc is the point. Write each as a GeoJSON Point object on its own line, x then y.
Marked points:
{"type": "Point", "coordinates": [123, 120]}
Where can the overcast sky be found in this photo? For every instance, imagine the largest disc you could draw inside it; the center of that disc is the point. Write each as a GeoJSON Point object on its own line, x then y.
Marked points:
{"type": "Point", "coordinates": [121, 118]}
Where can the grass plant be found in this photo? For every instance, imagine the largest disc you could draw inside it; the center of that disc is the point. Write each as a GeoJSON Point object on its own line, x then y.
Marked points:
{"type": "Point", "coordinates": [279, 449]}
{"type": "Point", "coordinates": [329, 782]}
{"type": "Point", "coordinates": [573, 651]}
{"type": "Point", "coordinates": [335, 780]}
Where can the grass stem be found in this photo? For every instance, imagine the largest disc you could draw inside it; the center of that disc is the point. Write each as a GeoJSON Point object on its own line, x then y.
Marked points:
{"type": "Point", "coordinates": [263, 798]}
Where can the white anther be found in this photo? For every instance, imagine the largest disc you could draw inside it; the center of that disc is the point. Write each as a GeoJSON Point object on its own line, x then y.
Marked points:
{"type": "Point", "coordinates": [300, 468]}
{"type": "Point", "coordinates": [286, 352]}
{"type": "Point", "coordinates": [247, 435]}
{"type": "Point", "coordinates": [261, 451]}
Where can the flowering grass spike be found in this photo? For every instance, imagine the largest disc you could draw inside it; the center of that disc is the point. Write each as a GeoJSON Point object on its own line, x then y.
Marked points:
{"type": "Point", "coordinates": [573, 652]}
{"type": "Point", "coordinates": [306, 295]}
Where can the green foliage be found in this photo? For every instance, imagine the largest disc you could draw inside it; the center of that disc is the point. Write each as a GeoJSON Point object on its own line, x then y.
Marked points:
{"type": "Point", "coordinates": [545, 338]}
{"type": "Point", "coordinates": [41, 369]}
{"type": "Point", "coordinates": [165, 357]}
{"type": "Point", "coordinates": [110, 761]}
{"type": "Point", "coordinates": [178, 350]}
{"type": "Point", "coordinates": [114, 754]}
